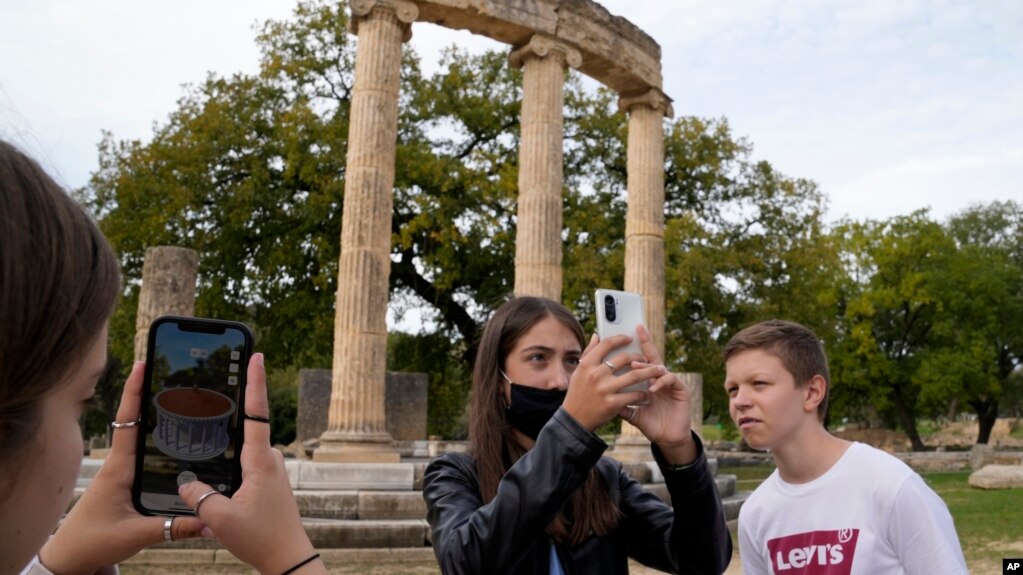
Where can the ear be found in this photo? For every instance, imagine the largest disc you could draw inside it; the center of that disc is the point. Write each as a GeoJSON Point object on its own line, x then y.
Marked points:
{"type": "Point", "coordinates": [813, 393]}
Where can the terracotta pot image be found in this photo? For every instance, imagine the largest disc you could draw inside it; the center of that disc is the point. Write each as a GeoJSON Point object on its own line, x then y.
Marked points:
{"type": "Point", "coordinates": [191, 423]}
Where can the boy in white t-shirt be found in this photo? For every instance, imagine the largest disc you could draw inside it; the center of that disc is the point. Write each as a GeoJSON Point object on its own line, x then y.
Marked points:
{"type": "Point", "coordinates": [831, 507]}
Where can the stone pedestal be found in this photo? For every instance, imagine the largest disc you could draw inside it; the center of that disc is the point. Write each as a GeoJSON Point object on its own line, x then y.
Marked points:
{"type": "Point", "coordinates": [407, 405]}
{"type": "Point", "coordinates": [538, 246]}
{"type": "Point", "coordinates": [356, 422]}
{"type": "Point", "coordinates": [405, 412]}
{"type": "Point", "coordinates": [168, 288]}
{"type": "Point", "coordinates": [314, 388]}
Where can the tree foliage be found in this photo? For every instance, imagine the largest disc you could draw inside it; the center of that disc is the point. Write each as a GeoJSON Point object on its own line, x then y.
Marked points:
{"type": "Point", "coordinates": [249, 170]}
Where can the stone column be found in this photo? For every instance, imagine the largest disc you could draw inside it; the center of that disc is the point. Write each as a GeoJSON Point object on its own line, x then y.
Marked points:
{"type": "Point", "coordinates": [356, 422]}
{"type": "Point", "coordinates": [168, 288]}
{"type": "Point", "coordinates": [644, 229]}
{"type": "Point", "coordinates": [538, 246]}
{"type": "Point", "coordinates": [694, 381]}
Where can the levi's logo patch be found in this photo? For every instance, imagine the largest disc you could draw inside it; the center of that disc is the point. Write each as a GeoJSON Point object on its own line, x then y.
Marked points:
{"type": "Point", "coordinates": [814, 552]}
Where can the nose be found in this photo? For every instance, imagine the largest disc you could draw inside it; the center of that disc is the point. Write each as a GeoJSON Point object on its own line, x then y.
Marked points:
{"type": "Point", "coordinates": [740, 400]}
{"type": "Point", "coordinates": [560, 378]}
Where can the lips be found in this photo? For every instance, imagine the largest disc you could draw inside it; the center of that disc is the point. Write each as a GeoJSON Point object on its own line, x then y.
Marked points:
{"type": "Point", "coordinates": [747, 421]}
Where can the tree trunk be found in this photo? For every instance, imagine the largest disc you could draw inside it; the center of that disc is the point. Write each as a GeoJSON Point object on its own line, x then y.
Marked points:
{"type": "Point", "coordinates": [987, 415]}
{"type": "Point", "coordinates": [908, 420]}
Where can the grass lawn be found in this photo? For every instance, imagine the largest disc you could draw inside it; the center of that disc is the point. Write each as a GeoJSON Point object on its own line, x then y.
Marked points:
{"type": "Point", "coordinates": [988, 522]}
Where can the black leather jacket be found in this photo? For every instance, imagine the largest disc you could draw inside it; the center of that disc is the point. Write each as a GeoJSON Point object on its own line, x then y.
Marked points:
{"type": "Point", "coordinates": [507, 535]}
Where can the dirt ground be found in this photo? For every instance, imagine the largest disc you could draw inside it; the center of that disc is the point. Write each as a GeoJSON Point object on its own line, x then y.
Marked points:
{"type": "Point", "coordinates": [952, 435]}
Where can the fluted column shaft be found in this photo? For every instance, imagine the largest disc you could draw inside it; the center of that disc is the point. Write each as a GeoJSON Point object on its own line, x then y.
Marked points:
{"type": "Point", "coordinates": [644, 220]}
{"type": "Point", "coordinates": [538, 246]}
{"type": "Point", "coordinates": [356, 426]}
{"type": "Point", "coordinates": [168, 288]}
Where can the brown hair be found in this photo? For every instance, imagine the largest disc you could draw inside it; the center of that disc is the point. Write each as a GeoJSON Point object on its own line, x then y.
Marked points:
{"type": "Point", "coordinates": [798, 348]}
{"type": "Point", "coordinates": [59, 281]}
{"type": "Point", "coordinates": [491, 441]}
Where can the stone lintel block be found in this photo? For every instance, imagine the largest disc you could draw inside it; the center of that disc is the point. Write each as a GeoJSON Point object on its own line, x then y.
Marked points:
{"type": "Point", "coordinates": [368, 533]}
{"type": "Point", "coordinates": [324, 504]}
{"type": "Point", "coordinates": [725, 485]}
{"type": "Point", "coordinates": [511, 22]}
{"type": "Point", "coordinates": [378, 476]}
{"type": "Point", "coordinates": [391, 505]}
{"type": "Point", "coordinates": [614, 51]}
{"type": "Point", "coordinates": [998, 477]}
{"type": "Point", "coordinates": [419, 473]}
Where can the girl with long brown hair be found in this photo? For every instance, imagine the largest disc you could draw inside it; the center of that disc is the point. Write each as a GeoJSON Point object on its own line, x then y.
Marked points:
{"type": "Point", "coordinates": [534, 494]}
{"type": "Point", "coordinates": [59, 282]}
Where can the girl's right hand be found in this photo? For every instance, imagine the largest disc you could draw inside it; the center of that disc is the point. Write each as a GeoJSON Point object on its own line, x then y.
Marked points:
{"type": "Point", "coordinates": [260, 524]}
{"type": "Point", "coordinates": [594, 391]}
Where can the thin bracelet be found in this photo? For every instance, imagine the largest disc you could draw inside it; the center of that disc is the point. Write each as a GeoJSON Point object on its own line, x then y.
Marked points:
{"type": "Point", "coordinates": [300, 565]}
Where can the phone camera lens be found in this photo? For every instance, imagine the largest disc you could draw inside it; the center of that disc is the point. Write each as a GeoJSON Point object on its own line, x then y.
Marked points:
{"type": "Point", "coordinates": [609, 308]}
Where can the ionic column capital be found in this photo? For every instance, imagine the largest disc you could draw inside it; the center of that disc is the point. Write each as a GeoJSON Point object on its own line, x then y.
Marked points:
{"type": "Point", "coordinates": [653, 98]}
{"type": "Point", "coordinates": [406, 11]}
{"type": "Point", "coordinates": [543, 46]}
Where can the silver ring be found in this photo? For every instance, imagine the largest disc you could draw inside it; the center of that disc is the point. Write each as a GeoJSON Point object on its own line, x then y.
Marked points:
{"type": "Point", "coordinates": [631, 413]}
{"type": "Point", "coordinates": [203, 498]}
{"type": "Point", "coordinates": [124, 424]}
{"type": "Point", "coordinates": [167, 537]}
{"type": "Point", "coordinates": [611, 365]}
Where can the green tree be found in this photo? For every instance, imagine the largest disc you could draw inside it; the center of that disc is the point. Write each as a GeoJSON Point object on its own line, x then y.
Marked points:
{"type": "Point", "coordinates": [978, 340]}
{"type": "Point", "coordinates": [890, 307]}
{"type": "Point", "coordinates": [249, 171]}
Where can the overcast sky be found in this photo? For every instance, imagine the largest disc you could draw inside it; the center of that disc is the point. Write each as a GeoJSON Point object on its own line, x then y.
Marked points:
{"type": "Point", "coordinates": [890, 105]}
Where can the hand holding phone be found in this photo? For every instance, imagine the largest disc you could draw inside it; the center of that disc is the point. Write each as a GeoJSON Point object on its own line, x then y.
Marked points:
{"type": "Point", "coordinates": [619, 313]}
{"type": "Point", "coordinates": [192, 406]}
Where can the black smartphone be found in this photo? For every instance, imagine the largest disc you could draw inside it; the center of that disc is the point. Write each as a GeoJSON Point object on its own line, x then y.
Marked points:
{"type": "Point", "coordinates": [192, 410]}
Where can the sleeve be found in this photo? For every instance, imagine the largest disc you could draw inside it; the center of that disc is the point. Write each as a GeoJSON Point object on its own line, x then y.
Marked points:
{"type": "Point", "coordinates": [470, 537]}
{"type": "Point", "coordinates": [691, 536]}
{"type": "Point", "coordinates": [923, 533]}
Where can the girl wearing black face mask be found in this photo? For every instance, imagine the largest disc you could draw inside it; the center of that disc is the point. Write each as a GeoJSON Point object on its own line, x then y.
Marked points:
{"type": "Point", "coordinates": [534, 494]}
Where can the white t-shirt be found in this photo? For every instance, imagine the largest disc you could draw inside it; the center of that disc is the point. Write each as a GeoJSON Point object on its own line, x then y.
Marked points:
{"type": "Point", "coordinates": [870, 514]}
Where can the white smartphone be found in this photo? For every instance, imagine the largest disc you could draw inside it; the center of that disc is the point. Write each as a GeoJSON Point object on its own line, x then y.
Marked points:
{"type": "Point", "coordinates": [618, 313]}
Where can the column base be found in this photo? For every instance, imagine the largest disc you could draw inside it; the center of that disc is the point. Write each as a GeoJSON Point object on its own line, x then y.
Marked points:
{"type": "Point", "coordinates": [631, 449]}
{"type": "Point", "coordinates": [341, 447]}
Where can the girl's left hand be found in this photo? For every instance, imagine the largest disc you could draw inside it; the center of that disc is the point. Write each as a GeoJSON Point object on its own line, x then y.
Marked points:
{"type": "Point", "coordinates": [103, 528]}
{"type": "Point", "coordinates": [666, 419]}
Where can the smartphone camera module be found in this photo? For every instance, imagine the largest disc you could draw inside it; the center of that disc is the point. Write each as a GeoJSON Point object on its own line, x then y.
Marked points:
{"type": "Point", "coordinates": [610, 308]}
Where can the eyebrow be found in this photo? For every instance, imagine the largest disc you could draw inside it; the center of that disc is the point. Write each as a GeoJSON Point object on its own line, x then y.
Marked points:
{"type": "Point", "coordinates": [548, 349]}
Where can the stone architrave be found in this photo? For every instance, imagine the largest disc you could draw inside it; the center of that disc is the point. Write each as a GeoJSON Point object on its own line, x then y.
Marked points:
{"type": "Point", "coordinates": [538, 246]}
{"type": "Point", "coordinates": [357, 429]}
{"type": "Point", "coordinates": [168, 288]}
{"type": "Point", "coordinates": [644, 229]}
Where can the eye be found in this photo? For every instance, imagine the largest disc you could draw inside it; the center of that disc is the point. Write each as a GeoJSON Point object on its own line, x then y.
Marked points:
{"type": "Point", "coordinates": [572, 361]}
{"type": "Point", "coordinates": [537, 357]}
{"type": "Point", "coordinates": [731, 390]}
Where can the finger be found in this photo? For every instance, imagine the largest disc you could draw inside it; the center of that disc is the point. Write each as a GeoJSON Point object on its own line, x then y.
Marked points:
{"type": "Point", "coordinates": [186, 528]}
{"type": "Point", "coordinates": [124, 439]}
{"type": "Point", "coordinates": [646, 343]}
{"type": "Point", "coordinates": [215, 505]}
{"type": "Point", "coordinates": [595, 354]}
{"type": "Point", "coordinates": [594, 340]}
{"type": "Point", "coordinates": [257, 433]}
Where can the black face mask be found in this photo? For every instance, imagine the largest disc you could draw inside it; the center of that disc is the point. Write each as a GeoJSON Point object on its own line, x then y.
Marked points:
{"type": "Point", "coordinates": [531, 407]}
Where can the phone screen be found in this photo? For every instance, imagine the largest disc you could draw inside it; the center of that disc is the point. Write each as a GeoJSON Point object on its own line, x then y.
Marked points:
{"type": "Point", "coordinates": [192, 407]}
